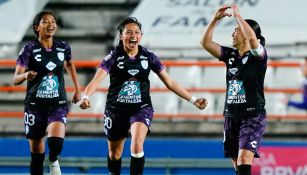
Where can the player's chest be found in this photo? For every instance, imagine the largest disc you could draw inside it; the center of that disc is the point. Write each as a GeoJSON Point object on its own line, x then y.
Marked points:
{"type": "Point", "coordinates": [49, 61]}
{"type": "Point", "coordinates": [131, 67]}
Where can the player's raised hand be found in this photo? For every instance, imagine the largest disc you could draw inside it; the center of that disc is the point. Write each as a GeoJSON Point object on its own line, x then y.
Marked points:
{"type": "Point", "coordinates": [221, 12]}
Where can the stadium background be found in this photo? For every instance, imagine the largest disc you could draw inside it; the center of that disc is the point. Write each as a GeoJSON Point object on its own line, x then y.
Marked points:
{"type": "Point", "coordinates": [183, 140]}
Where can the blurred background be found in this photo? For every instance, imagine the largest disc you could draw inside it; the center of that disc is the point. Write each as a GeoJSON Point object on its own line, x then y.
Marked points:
{"type": "Point", "coordinates": [183, 140]}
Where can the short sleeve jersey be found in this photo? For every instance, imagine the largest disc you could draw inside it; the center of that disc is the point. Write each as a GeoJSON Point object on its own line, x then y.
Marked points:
{"type": "Point", "coordinates": [245, 78]}
{"type": "Point", "coordinates": [129, 83]}
{"type": "Point", "coordinates": [48, 86]}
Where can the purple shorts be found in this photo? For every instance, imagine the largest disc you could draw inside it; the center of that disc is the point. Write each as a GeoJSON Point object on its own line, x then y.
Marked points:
{"type": "Point", "coordinates": [243, 133]}
{"type": "Point", "coordinates": [117, 123]}
{"type": "Point", "coordinates": [37, 119]}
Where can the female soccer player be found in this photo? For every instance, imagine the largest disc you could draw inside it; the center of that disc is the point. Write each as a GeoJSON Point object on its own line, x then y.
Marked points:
{"type": "Point", "coordinates": [128, 102]}
{"type": "Point", "coordinates": [246, 64]}
{"type": "Point", "coordinates": [41, 63]}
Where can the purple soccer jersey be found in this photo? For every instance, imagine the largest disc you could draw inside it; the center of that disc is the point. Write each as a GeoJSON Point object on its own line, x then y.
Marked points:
{"type": "Point", "coordinates": [129, 83]}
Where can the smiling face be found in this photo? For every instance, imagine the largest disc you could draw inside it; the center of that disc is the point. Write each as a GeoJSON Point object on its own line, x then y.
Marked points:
{"type": "Point", "coordinates": [131, 37]}
{"type": "Point", "coordinates": [47, 26]}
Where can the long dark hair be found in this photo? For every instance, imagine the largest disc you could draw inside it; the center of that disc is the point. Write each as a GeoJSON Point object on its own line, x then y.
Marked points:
{"type": "Point", "coordinates": [256, 27]}
{"type": "Point", "coordinates": [38, 18]}
{"type": "Point", "coordinates": [123, 23]}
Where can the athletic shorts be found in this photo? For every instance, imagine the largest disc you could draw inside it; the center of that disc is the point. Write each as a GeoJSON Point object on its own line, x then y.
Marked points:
{"type": "Point", "coordinates": [37, 119]}
{"type": "Point", "coordinates": [243, 133]}
{"type": "Point", "coordinates": [117, 123]}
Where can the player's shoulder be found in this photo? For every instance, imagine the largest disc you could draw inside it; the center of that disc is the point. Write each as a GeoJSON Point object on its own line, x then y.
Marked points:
{"type": "Point", "coordinates": [145, 52]}
{"type": "Point", "coordinates": [61, 45]}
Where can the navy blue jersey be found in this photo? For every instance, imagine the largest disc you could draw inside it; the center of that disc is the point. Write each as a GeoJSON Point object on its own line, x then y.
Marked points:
{"type": "Point", "coordinates": [245, 79]}
{"type": "Point", "coordinates": [129, 83]}
{"type": "Point", "coordinates": [48, 86]}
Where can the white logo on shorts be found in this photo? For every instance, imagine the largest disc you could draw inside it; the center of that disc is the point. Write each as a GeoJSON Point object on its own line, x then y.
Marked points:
{"type": "Point", "coordinates": [147, 121]}
{"type": "Point", "coordinates": [254, 144]}
{"type": "Point", "coordinates": [27, 129]}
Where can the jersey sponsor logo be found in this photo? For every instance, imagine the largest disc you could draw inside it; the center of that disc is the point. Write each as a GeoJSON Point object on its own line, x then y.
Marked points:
{"type": "Point", "coordinates": [133, 71]}
{"type": "Point", "coordinates": [120, 58]}
{"type": "Point", "coordinates": [60, 49]}
{"type": "Point", "coordinates": [130, 92]}
{"type": "Point", "coordinates": [48, 87]}
{"type": "Point", "coordinates": [236, 93]}
{"type": "Point", "coordinates": [37, 50]}
{"type": "Point", "coordinates": [61, 56]}
{"type": "Point", "coordinates": [50, 66]}
{"type": "Point", "coordinates": [143, 57]}
{"type": "Point", "coordinates": [233, 70]}
{"type": "Point", "coordinates": [244, 60]}
{"type": "Point", "coordinates": [144, 64]}
{"type": "Point", "coordinates": [38, 57]}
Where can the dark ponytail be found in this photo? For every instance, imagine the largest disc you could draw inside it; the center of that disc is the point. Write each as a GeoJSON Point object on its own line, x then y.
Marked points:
{"type": "Point", "coordinates": [255, 26]}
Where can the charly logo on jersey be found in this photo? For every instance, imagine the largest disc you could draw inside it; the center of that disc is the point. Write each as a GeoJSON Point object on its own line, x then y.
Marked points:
{"type": "Point", "coordinates": [61, 56]}
{"type": "Point", "coordinates": [50, 66]}
{"type": "Point", "coordinates": [230, 61]}
{"type": "Point", "coordinates": [38, 57]}
{"type": "Point", "coordinates": [130, 92]}
{"type": "Point", "coordinates": [233, 70]}
{"type": "Point", "coordinates": [48, 87]}
{"type": "Point", "coordinates": [133, 71]}
{"type": "Point", "coordinates": [244, 60]}
{"type": "Point", "coordinates": [144, 64]}
{"type": "Point", "coordinates": [236, 93]}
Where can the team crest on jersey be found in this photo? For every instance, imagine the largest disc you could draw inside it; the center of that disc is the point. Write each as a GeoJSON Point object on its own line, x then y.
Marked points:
{"type": "Point", "coordinates": [61, 56]}
{"type": "Point", "coordinates": [144, 64]}
{"type": "Point", "coordinates": [244, 60]}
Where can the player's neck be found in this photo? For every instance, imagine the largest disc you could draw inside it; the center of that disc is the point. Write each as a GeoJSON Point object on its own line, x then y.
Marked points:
{"type": "Point", "coordinates": [46, 42]}
{"type": "Point", "coordinates": [132, 53]}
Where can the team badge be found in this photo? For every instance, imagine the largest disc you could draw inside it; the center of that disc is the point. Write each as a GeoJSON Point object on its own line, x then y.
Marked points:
{"type": "Point", "coordinates": [144, 64]}
{"type": "Point", "coordinates": [61, 56]}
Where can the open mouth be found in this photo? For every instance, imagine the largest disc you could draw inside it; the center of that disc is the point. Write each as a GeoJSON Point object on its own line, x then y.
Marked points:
{"type": "Point", "coordinates": [133, 41]}
{"type": "Point", "coordinates": [50, 29]}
